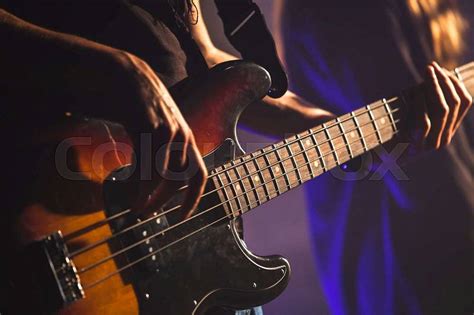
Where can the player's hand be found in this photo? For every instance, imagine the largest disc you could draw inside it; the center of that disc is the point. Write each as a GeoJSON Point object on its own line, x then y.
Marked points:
{"type": "Point", "coordinates": [439, 113]}
{"type": "Point", "coordinates": [175, 157]}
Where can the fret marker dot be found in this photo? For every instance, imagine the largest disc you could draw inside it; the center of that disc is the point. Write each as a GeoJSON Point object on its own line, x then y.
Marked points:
{"type": "Point", "coordinates": [308, 142]}
{"type": "Point", "coordinates": [256, 178]}
{"type": "Point", "coordinates": [352, 134]}
{"type": "Point", "coordinates": [316, 163]}
{"type": "Point", "coordinates": [237, 187]}
{"type": "Point", "coordinates": [277, 169]}
{"type": "Point", "coordinates": [382, 121]}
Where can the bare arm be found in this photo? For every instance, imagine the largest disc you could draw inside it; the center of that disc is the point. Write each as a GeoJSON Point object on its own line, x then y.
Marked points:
{"type": "Point", "coordinates": [101, 82]}
{"type": "Point", "coordinates": [288, 114]}
{"type": "Point", "coordinates": [447, 102]}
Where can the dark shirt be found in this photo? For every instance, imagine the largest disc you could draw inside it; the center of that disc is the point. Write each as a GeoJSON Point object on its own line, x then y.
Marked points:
{"type": "Point", "coordinates": [146, 28]}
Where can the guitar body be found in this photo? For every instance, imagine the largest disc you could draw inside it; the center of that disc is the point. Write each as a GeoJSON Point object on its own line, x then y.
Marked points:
{"type": "Point", "coordinates": [82, 177]}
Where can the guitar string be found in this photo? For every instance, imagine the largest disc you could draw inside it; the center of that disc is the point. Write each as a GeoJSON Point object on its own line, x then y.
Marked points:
{"type": "Point", "coordinates": [228, 217]}
{"type": "Point", "coordinates": [283, 145]}
{"type": "Point", "coordinates": [459, 70]}
{"type": "Point", "coordinates": [124, 250]}
{"type": "Point", "coordinates": [125, 212]}
{"type": "Point", "coordinates": [156, 216]}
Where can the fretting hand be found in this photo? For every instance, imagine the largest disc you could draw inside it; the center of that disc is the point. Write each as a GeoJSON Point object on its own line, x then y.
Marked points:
{"type": "Point", "coordinates": [440, 110]}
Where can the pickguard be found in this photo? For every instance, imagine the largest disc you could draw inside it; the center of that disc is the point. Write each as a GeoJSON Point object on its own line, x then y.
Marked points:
{"type": "Point", "coordinates": [211, 267]}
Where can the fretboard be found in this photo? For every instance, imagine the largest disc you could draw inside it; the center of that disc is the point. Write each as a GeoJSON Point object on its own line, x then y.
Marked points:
{"type": "Point", "coordinates": [253, 179]}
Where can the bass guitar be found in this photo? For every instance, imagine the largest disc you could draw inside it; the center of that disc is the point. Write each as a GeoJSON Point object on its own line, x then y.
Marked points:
{"type": "Point", "coordinates": [75, 247]}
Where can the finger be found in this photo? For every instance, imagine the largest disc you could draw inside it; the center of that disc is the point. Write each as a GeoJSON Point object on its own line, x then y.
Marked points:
{"type": "Point", "coordinates": [466, 100]}
{"type": "Point", "coordinates": [438, 110]}
{"type": "Point", "coordinates": [196, 183]}
{"type": "Point", "coordinates": [452, 100]}
{"type": "Point", "coordinates": [163, 142]}
{"type": "Point", "coordinates": [180, 154]}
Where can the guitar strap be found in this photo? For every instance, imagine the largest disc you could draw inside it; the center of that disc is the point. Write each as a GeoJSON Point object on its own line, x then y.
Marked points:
{"type": "Point", "coordinates": [247, 31]}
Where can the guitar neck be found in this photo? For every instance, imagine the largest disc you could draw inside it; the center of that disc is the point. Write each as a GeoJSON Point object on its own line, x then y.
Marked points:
{"type": "Point", "coordinates": [251, 180]}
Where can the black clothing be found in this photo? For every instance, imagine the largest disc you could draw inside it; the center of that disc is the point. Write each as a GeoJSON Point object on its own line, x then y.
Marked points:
{"type": "Point", "coordinates": [146, 28]}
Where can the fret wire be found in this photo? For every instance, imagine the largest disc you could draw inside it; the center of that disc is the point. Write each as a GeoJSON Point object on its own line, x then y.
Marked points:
{"type": "Point", "coordinates": [357, 153]}
{"type": "Point", "coordinates": [313, 147]}
{"type": "Point", "coordinates": [270, 168]}
{"type": "Point", "coordinates": [360, 152]}
{"type": "Point", "coordinates": [223, 188]}
{"type": "Point", "coordinates": [305, 154]}
{"type": "Point", "coordinates": [283, 170]}
{"type": "Point", "coordinates": [174, 226]}
{"type": "Point", "coordinates": [250, 179]}
{"type": "Point", "coordinates": [326, 130]}
{"type": "Point", "coordinates": [128, 266]}
{"type": "Point", "coordinates": [293, 160]}
{"type": "Point", "coordinates": [234, 165]}
{"type": "Point", "coordinates": [318, 150]}
{"type": "Point", "coordinates": [346, 119]}
{"type": "Point", "coordinates": [389, 111]}
{"type": "Point", "coordinates": [234, 191]}
{"type": "Point", "coordinates": [344, 134]}
{"type": "Point", "coordinates": [356, 121]}
{"type": "Point", "coordinates": [374, 122]}
{"type": "Point", "coordinates": [260, 173]}
{"type": "Point", "coordinates": [242, 185]}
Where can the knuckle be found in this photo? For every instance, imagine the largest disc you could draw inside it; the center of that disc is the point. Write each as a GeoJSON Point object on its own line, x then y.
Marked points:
{"type": "Point", "coordinates": [456, 100]}
{"type": "Point", "coordinates": [468, 99]}
{"type": "Point", "coordinates": [186, 134]}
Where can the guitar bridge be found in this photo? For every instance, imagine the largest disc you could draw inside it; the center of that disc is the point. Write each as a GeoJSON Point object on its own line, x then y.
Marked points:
{"type": "Point", "coordinates": [63, 268]}
{"type": "Point", "coordinates": [55, 276]}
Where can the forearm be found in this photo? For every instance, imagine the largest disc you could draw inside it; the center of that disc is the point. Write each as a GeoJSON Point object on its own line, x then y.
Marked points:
{"type": "Point", "coordinates": [274, 117]}
{"type": "Point", "coordinates": [283, 116]}
{"type": "Point", "coordinates": [288, 114]}
{"type": "Point", "coordinates": [41, 62]}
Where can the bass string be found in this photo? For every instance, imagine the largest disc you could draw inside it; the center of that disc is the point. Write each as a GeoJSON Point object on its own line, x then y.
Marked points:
{"type": "Point", "coordinates": [156, 216]}
{"type": "Point", "coordinates": [226, 217]}
{"type": "Point", "coordinates": [144, 240]}
{"type": "Point", "coordinates": [321, 129]}
{"type": "Point", "coordinates": [461, 70]}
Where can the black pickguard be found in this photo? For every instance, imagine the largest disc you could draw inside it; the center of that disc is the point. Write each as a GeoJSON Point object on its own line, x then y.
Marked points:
{"type": "Point", "coordinates": [210, 269]}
